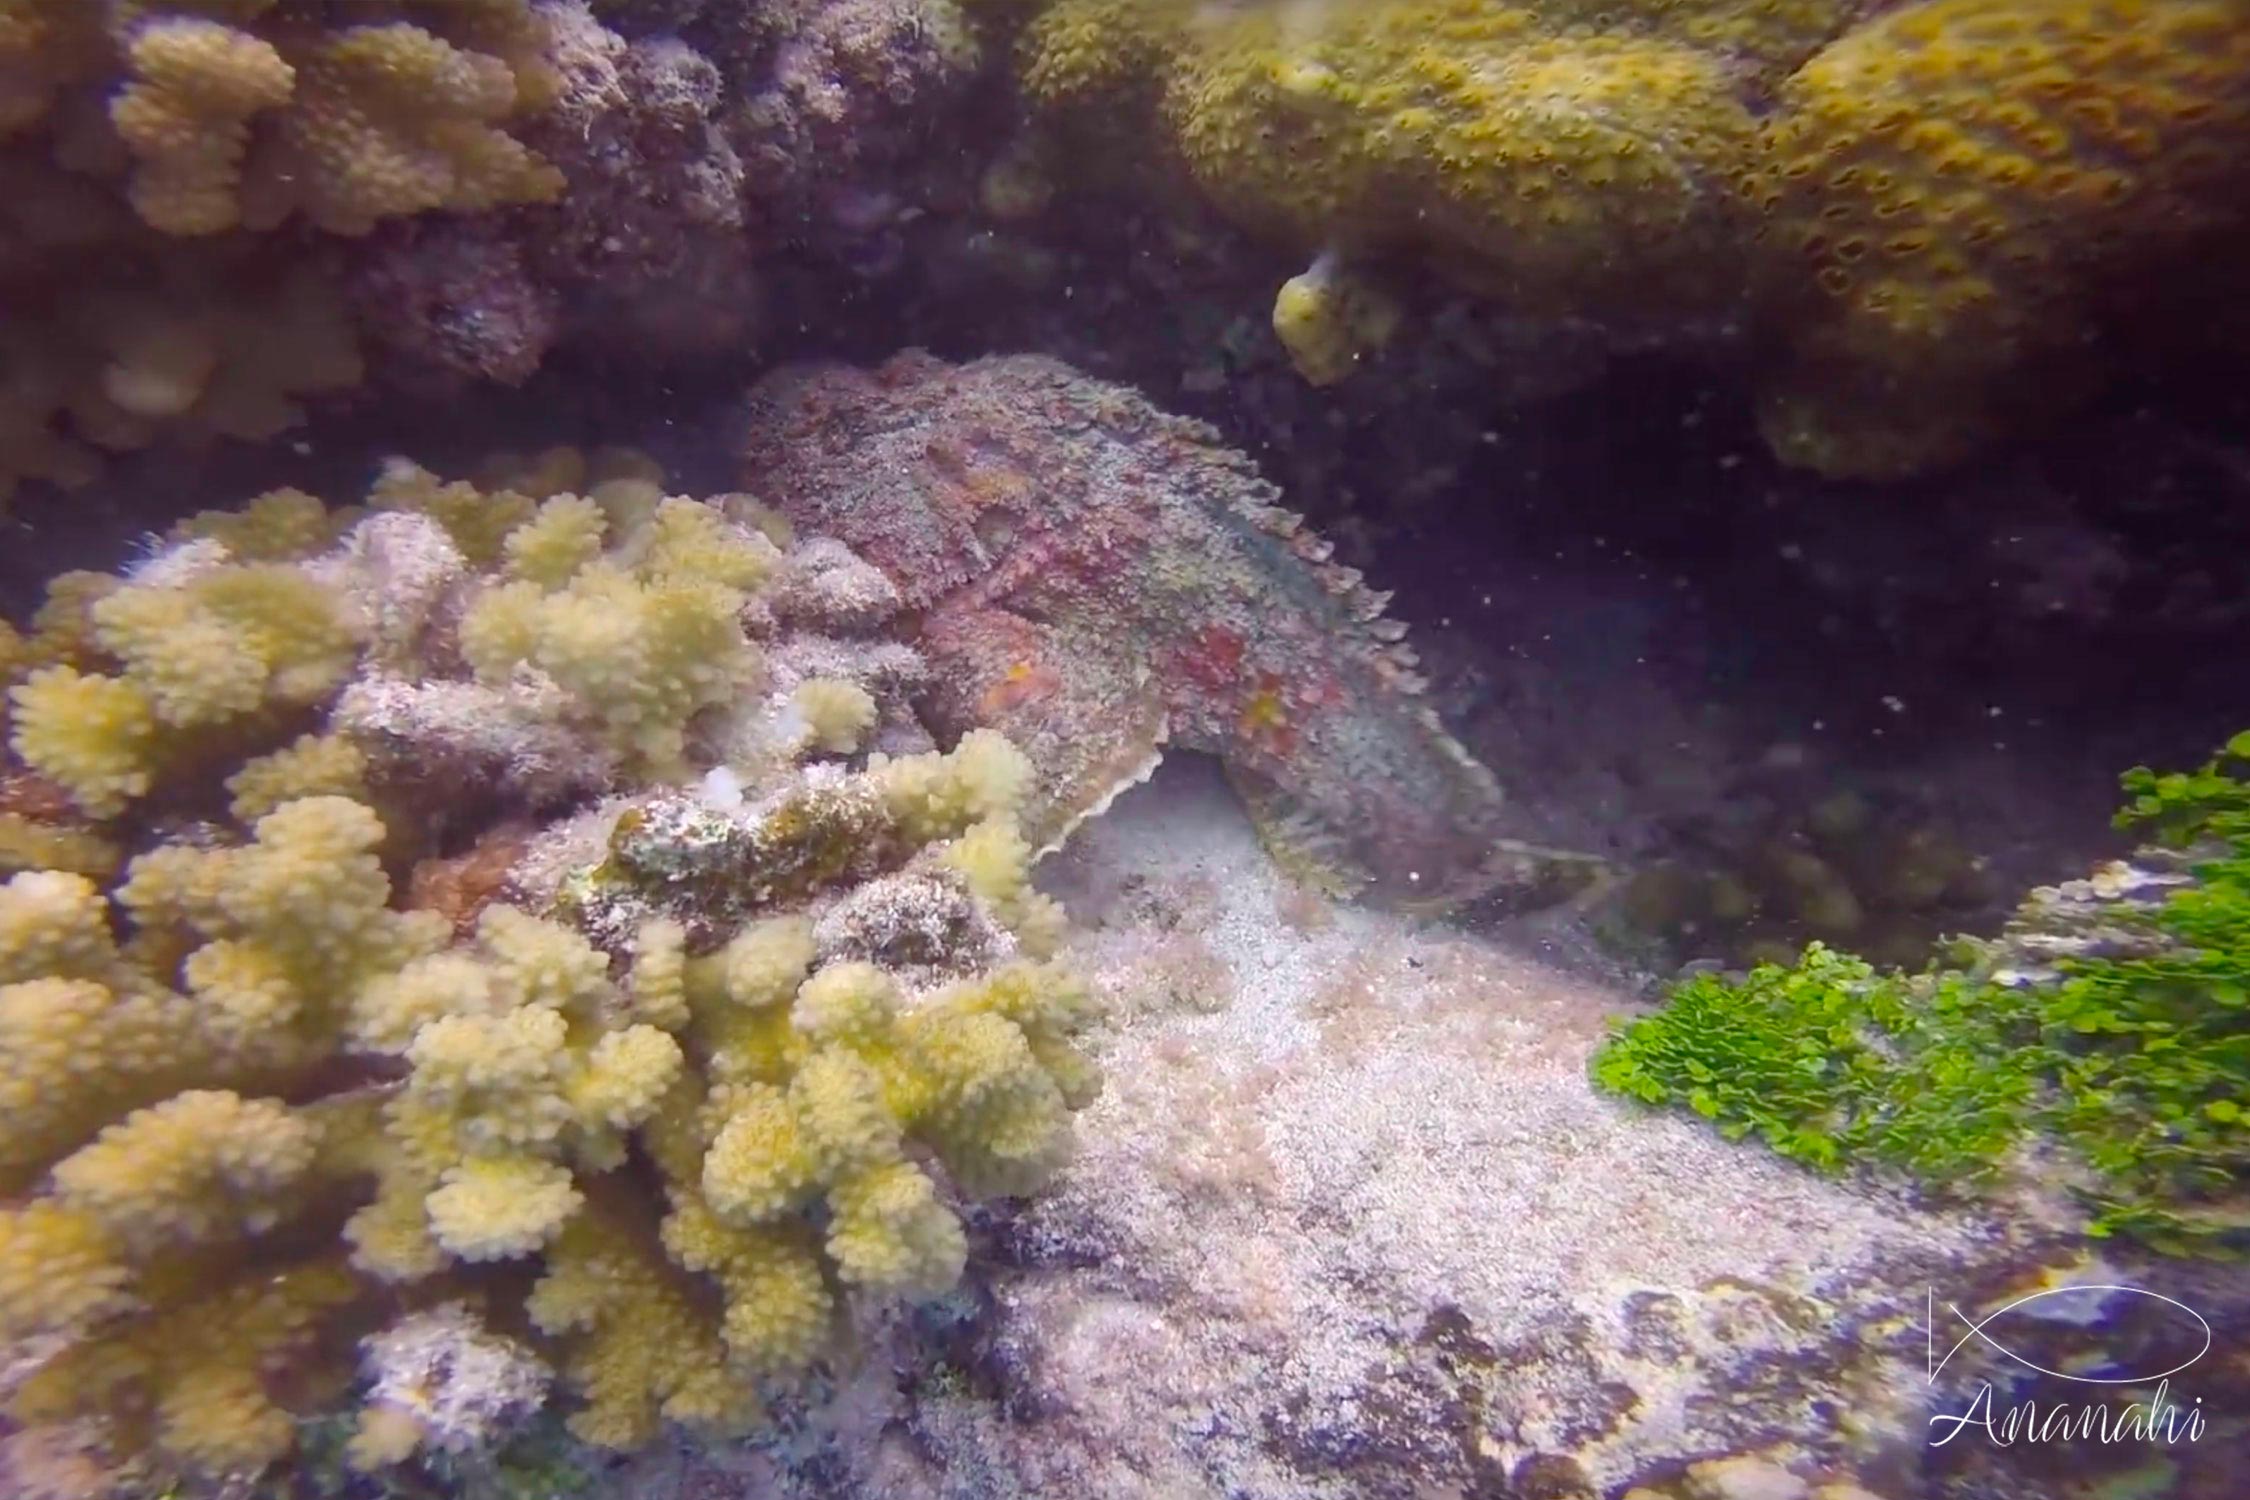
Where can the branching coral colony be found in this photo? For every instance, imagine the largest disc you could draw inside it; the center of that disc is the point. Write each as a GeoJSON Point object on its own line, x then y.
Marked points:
{"type": "Point", "coordinates": [2112, 1016]}
{"type": "Point", "coordinates": [158, 162]}
{"type": "Point", "coordinates": [642, 1095]}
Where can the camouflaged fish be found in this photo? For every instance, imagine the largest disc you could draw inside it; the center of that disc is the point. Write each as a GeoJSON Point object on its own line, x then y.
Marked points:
{"type": "Point", "coordinates": [1099, 579]}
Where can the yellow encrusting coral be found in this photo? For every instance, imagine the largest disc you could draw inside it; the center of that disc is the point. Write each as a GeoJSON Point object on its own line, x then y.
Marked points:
{"type": "Point", "coordinates": [1548, 165]}
{"type": "Point", "coordinates": [1904, 204]}
{"type": "Point", "coordinates": [1948, 187]}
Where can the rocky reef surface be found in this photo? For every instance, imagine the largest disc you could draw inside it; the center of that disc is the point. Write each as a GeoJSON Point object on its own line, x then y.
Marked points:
{"type": "Point", "coordinates": [1351, 1221]}
{"type": "Point", "coordinates": [534, 983]}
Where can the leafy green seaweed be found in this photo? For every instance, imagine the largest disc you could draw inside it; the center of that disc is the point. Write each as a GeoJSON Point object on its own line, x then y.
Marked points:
{"type": "Point", "coordinates": [2139, 1066]}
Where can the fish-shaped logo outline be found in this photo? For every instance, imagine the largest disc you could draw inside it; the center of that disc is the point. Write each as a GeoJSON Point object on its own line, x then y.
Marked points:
{"type": "Point", "coordinates": [1977, 1331]}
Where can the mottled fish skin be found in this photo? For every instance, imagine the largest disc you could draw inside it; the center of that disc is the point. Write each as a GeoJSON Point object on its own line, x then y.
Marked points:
{"type": "Point", "coordinates": [1097, 578]}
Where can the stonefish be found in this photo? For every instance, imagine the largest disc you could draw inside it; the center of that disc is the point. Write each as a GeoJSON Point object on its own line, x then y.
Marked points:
{"type": "Point", "coordinates": [1099, 579]}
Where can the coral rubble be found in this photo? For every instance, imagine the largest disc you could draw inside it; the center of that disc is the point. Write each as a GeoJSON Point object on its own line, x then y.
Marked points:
{"type": "Point", "coordinates": [757, 992]}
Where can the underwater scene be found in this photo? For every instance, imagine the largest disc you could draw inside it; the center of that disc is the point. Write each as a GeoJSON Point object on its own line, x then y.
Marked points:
{"type": "Point", "coordinates": [1125, 749]}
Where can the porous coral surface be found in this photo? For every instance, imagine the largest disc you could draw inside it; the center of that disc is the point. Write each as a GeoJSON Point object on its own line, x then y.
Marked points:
{"type": "Point", "coordinates": [1906, 204]}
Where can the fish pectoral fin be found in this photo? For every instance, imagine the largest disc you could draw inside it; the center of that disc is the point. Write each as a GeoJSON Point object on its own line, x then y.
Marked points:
{"type": "Point", "coordinates": [1303, 845]}
{"type": "Point", "coordinates": [1518, 877]}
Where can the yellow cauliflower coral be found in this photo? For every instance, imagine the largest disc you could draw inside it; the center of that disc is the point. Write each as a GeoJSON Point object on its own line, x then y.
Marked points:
{"type": "Point", "coordinates": [28, 844]}
{"type": "Point", "coordinates": [186, 116]}
{"type": "Point", "coordinates": [45, 47]}
{"type": "Point", "coordinates": [807, 1121]}
{"type": "Point", "coordinates": [199, 1166]}
{"type": "Point", "coordinates": [660, 974]}
{"type": "Point", "coordinates": [937, 796]}
{"type": "Point", "coordinates": [959, 1071]}
{"type": "Point", "coordinates": [563, 536]}
{"type": "Point", "coordinates": [272, 527]}
{"type": "Point", "coordinates": [240, 1091]}
{"type": "Point", "coordinates": [214, 123]}
{"type": "Point", "coordinates": [479, 521]}
{"type": "Point", "coordinates": [392, 120]}
{"type": "Point", "coordinates": [778, 1311]}
{"type": "Point", "coordinates": [215, 649]}
{"type": "Point", "coordinates": [146, 346]}
{"type": "Point", "coordinates": [76, 1049]}
{"type": "Point", "coordinates": [501, 1207]}
{"type": "Point", "coordinates": [313, 765]}
{"type": "Point", "coordinates": [641, 1350]}
{"type": "Point", "coordinates": [94, 736]}
{"type": "Point", "coordinates": [142, 1135]}
{"type": "Point", "coordinates": [514, 1078]}
{"type": "Point", "coordinates": [249, 123]}
{"type": "Point", "coordinates": [837, 714]}
{"type": "Point", "coordinates": [198, 1368]}
{"type": "Point", "coordinates": [640, 642]}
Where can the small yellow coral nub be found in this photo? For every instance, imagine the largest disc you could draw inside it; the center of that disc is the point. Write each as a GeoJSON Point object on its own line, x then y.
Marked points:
{"type": "Point", "coordinates": [837, 714]}
{"type": "Point", "coordinates": [1329, 320]}
{"type": "Point", "coordinates": [95, 736]}
{"type": "Point", "coordinates": [500, 1208]}
{"type": "Point", "coordinates": [561, 538]}
{"type": "Point", "coordinates": [315, 765]}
